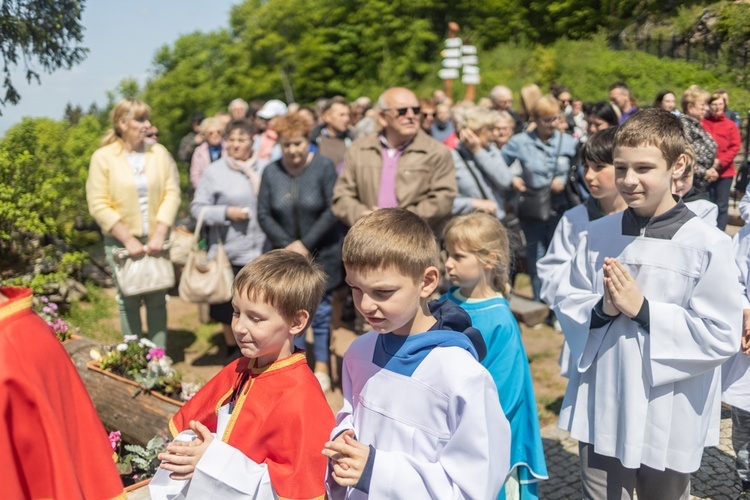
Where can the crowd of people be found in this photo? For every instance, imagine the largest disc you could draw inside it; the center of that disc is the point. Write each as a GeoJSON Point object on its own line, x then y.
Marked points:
{"type": "Point", "coordinates": [620, 209]}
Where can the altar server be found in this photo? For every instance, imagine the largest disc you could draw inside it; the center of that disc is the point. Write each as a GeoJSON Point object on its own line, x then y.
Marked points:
{"type": "Point", "coordinates": [599, 176]}
{"type": "Point", "coordinates": [256, 429]}
{"type": "Point", "coordinates": [421, 417]}
{"type": "Point", "coordinates": [650, 309]}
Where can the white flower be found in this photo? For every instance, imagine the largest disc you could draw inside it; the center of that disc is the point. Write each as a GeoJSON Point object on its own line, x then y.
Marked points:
{"type": "Point", "coordinates": [130, 338]}
{"type": "Point", "coordinates": [122, 347]}
{"type": "Point", "coordinates": [95, 354]}
{"type": "Point", "coordinates": [147, 343]}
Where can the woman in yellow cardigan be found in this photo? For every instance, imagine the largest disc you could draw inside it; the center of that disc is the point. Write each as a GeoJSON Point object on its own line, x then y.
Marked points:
{"type": "Point", "coordinates": [133, 193]}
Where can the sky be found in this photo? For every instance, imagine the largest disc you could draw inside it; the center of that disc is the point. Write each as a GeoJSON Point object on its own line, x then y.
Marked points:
{"type": "Point", "coordinates": [122, 37]}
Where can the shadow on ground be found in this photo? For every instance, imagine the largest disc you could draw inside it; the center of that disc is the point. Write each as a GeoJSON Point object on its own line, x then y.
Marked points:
{"type": "Point", "coordinates": [177, 342]}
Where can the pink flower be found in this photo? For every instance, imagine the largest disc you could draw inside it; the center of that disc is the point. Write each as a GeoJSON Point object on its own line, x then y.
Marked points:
{"type": "Point", "coordinates": [155, 353]}
{"type": "Point", "coordinates": [114, 438]}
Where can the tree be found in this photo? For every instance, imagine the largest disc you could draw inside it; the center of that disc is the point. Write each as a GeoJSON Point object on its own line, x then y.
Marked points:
{"type": "Point", "coordinates": [46, 32]}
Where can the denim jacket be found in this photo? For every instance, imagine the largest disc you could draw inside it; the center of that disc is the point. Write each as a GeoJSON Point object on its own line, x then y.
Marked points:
{"type": "Point", "coordinates": [540, 160]}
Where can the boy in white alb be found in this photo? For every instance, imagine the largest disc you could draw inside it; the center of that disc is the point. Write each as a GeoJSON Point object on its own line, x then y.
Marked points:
{"type": "Point", "coordinates": [650, 309]}
{"type": "Point", "coordinates": [599, 176]}
{"type": "Point", "coordinates": [421, 416]}
{"type": "Point", "coordinates": [735, 373]}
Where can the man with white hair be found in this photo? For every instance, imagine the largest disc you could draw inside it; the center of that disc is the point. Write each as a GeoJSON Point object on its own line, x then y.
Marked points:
{"type": "Point", "coordinates": [400, 167]}
{"type": "Point", "coordinates": [502, 100]}
{"type": "Point", "coordinates": [238, 109]}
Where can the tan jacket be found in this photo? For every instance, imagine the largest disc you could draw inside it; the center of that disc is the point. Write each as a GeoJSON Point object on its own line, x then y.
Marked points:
{"type": "Point", "coordinates": [112, 195]}
{"type": "Point", "coordinates": [425, 179]}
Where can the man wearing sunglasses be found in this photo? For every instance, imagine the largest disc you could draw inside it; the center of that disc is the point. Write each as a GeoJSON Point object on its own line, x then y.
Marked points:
{"type": "Point", "coordinates": [399, 167]}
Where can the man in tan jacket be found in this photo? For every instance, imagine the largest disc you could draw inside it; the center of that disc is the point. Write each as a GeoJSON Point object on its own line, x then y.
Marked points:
{"type": "Point", "coordinates": [400, 167]}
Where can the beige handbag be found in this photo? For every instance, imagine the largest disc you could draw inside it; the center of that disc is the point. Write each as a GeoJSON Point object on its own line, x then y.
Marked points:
{"type": "Point", "coordinates": [180, 243]}
{"type": "Point", "coordinates": [203, 279]}
{"type": "Point", "coordinates": [143, 275]}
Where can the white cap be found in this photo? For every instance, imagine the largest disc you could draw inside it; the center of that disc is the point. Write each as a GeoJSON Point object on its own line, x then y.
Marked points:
{"type": "Point", "coordinates": [272, 109]}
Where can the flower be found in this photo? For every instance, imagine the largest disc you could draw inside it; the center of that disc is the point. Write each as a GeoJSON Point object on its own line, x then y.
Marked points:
{"type": "Point", "coordinates": [143, 362]}
{"type": "Point", "coordinates": [49, 313]}
{"type": "Point", "coordinates": [155, 353]}
{"type": "Point", "coordinates": [114, 438]}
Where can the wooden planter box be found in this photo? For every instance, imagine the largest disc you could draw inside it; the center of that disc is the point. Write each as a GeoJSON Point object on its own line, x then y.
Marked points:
{"type": "Point", "coordinates": [121, 403]}
{"type": "Point", "coordinates": [138, 490]}
{"type": "Point", "coordinates": [95, 366]}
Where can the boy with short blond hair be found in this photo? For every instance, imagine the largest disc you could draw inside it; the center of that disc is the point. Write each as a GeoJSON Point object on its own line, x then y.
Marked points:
{"type": "Point", "coordinates": [421, 416]}
{"type": "Point", "coordinates": [651, 309]}
{"type": "Point", "coordinates": [256, 429]}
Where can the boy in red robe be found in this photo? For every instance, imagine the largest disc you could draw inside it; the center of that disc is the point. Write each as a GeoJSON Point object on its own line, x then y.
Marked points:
{"type": "Point", "coordinates": [257, 428]}
{"type": "Point", "coordinates": [52, 443]}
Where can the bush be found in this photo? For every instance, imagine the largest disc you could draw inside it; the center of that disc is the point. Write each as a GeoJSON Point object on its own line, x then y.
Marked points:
{"type": "Point", "coordinates": [43, 170]}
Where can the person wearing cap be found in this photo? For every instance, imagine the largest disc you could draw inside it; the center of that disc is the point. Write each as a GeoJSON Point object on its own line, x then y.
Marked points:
{"type": "Point", "coordinates": [400, 167]}
{"type": "Point", "coordinates": [265, 142]}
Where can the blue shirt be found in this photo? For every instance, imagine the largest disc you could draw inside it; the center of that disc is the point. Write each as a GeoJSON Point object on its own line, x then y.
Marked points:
{"type": "Point", "coordinates": [540, 160]}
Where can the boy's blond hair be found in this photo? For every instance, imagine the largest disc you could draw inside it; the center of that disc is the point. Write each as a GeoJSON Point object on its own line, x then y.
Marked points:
{"type": "Point", "coordinates": [286, 280]}
{"type": "Point", "coordinates": [391, 238]}
{"type": "Point", "coordinates": [654, 127]}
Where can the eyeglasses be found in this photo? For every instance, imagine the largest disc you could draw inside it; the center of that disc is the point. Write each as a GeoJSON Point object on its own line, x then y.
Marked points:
{"type": "Point", "coordinates": [428, 113]}
{"type": "Point", "coordinates": [402, 111]}
{"type": "Point", "coordinates": [152, 135]}
{"type": "Point", "coordinates": [548, 119]}
{"type": "Point", "coordinates": [564, 101]}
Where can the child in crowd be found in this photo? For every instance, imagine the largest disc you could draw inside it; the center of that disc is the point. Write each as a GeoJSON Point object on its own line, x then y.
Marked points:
{"type": "Point", "coordinates": [258, 426]}
{"type": "Point", "coordinates": [477, 265]}
{"type": "Point", "coordinates": [735, 373]}
{"type": "Point", "coordinates": [599, 176]}
{"type": "Point", "coordinates": [697, 201]}
{"type": "Point", "coordinates": [421, 416]}
{"type": "Point", "coordinates": [650, 309]}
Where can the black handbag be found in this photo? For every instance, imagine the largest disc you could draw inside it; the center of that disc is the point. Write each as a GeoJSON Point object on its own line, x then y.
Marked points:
{"type": "Point", "coordinates": [535, 204]}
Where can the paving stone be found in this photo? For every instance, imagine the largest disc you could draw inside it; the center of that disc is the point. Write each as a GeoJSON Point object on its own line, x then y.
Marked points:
{"type": "Point", "coordinates": [715, 479]}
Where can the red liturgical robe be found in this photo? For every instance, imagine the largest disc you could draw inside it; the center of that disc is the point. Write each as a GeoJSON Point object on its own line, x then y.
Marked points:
{"type": "Point", "coordinates": [281, 419]}
{"type": "Point", "coordinates": [52, 443]}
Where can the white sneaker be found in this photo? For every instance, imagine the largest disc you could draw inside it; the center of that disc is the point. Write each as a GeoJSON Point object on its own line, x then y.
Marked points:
{"type": "Point", "coordinates": [324, 380]}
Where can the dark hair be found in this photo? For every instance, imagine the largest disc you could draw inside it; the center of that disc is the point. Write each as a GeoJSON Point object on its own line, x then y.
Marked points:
{"type": "Point", "coordinates": [600, 147]}
{"type": "Point", "coordinates": [243, 125]}
{"type": "Point", "coordinates": [660, 97]}
{"type": "Point", "coordinates": [654, 127]}
{"type": "Point", "coordinates": [197, 118]}
{"type": "Point", "coordinates": [337, 99]}
{"type": "Point", "coordinates": [619, 85]}
{"type": "Point", "coordinates": [605, 111]}
{"type": "Point", "coordinates": [253, 107]}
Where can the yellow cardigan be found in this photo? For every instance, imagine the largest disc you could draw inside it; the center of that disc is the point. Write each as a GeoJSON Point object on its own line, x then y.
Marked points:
{"type": "Point", "coordinates": [112, 195]}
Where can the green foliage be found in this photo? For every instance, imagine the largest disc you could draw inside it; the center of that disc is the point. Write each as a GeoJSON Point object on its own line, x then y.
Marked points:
{"type": "Point", "coordinates": [589, 67]}
{"type": "Point", "coordinates": [140, 461]}
{"type": "Point", "coordinates": [48, 33]}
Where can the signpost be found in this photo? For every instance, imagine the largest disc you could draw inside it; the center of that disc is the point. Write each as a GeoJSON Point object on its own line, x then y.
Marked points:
{"type": "Point", "coordinates": [459, 59]}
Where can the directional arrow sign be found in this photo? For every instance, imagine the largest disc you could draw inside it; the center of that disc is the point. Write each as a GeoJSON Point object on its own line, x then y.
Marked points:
{"type": "Point", "coordinates": [451, 53]}
{"type": "Point", "coordinates": [448, 74]}
{"type": "Point", "coordinates": [453, 43]}
{"type": "Point", "coordinates": [470, 79]}
{"type": "Point", "coordinates": [470, 70]}
{"type": "Point", "coordinates": [451, 63]}
{"type": "Point", "coordinates": [469, 49]}
{"type": "Point", "coordinates": [470, 60]}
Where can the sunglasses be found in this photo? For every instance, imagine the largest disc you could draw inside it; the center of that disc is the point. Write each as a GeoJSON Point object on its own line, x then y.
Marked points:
{"type": "Point", "coordinates": [402, 111]}
{"type": "Point", "coordinates": [428, 113]}
{"type": "Point", "coordinates": [152, 135]}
